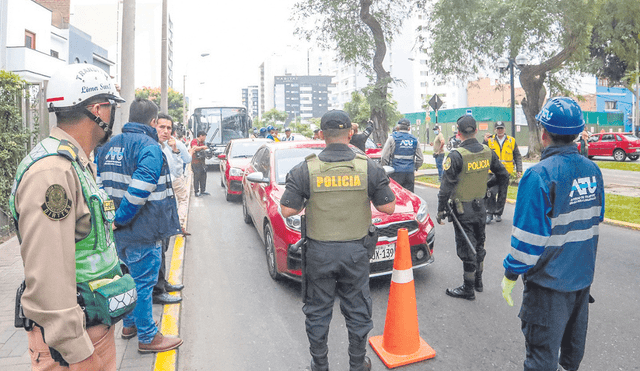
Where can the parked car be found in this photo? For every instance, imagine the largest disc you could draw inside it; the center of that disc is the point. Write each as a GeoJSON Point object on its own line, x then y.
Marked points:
{"type": "Point", "coordinates": [618, 145]}
{"type": "Point", "coordinates": [372, 150]}
{"type": "Point", "coordinates": [264, 184]}
{"type": "Point", "coordinates": [233, 162]}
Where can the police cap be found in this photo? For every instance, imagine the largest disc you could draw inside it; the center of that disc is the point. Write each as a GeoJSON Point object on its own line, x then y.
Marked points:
{"type": "Point", "coordinates": [467, 124]}
{"type": "Point", "coordinates": [335, 119]}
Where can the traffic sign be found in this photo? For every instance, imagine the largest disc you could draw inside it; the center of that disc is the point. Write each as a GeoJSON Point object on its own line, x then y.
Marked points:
{"type": "Point", "coordinates": [435, 102]}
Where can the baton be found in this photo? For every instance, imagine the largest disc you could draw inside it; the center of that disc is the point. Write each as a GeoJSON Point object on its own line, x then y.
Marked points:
{"type": "Point", "coordinates": [464, 234]}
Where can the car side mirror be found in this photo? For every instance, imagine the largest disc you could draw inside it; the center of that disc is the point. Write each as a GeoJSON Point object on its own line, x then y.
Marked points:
{"type": "Point", "coordinates": [389, 169]}
{"type": "Point", "coordinates": [222, 156]}
{"type": "Point", "coordinates": [257, 177]}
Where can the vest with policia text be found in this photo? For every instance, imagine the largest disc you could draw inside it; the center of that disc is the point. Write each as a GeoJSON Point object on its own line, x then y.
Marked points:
{"type": "Point", "coordinates": [505, 153]}
{"type": "Point", "coordinates": [404, 153]}
{"type": "Point", "coordinates": [338, 208]}
{"type": "Point", "coordinates": [106, 295]}
{"type": "Point", "coordinates": [472, 179]}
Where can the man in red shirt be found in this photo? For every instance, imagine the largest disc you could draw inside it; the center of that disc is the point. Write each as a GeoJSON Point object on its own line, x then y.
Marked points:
{"type": "Point", "coordinates": [197, 164]}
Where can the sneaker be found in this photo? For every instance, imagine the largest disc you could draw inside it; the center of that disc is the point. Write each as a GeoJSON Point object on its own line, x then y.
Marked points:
{"type": "Point", "coordinates": [205, 193]}
{"type": "Point", "coordinates": [160, 343]}
{"type": "Point", "coordinates": [498, 218]}
{"type": "Point", "coordinates": [197, 194]}
{"type": "Point", "coordinates": [489, 219]}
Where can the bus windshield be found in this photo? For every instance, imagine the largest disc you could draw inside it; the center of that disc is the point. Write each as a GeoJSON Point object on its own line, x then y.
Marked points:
{"type": "Point", "coordinates": [222, 124]}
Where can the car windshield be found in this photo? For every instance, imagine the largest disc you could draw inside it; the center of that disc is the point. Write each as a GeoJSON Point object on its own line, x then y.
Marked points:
{"type": "Point", "coordinates": [631, 137]}
{"type": "Point", "coordinates": [370, 144]}
{"type": "Point", "coordinates": [287, 158]}
{"type": "Point", "coordinates": [245, 149]}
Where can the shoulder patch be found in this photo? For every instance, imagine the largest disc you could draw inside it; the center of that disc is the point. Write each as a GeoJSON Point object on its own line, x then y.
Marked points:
{"type": "Point", "coordinates": [447, 163]}
{"type": "Point", "coordinates": [57, 204]}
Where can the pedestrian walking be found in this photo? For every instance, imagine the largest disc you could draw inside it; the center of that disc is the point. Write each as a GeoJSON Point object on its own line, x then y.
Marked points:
{"type": "Point", "coordinates": [559, 206]}
{"type": "Point", "coordinates": [438, 145]}
{"type": "Point", "coordinates": [198, 165]}
{"type": "Point", "coordinates": [64, 226]}
{"type": "Point", "coordinates": [402, 151]}
{"type": "Point", "coordinates": [134, 172]}
{"type": "Point", "coordinates": [338, 220]}
{"type": "Point", "coordinates": [506, 148]}
{"type": "Point", "coordinates": [464, 185]}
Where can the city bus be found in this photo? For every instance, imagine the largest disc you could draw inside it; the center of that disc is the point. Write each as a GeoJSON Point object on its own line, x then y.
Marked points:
{"type": "Point", "coordinates": [221, 124]}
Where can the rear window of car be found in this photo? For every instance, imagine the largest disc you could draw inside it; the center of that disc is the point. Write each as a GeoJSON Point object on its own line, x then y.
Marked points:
{"type": "Point", "coordinates": [631, 137]}
{"type": "Point", "coordinates": [245, 149]}
{"type": "Point", "coordinates": [286, 159]}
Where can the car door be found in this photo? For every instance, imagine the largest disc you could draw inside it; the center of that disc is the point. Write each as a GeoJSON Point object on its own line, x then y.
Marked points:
{"type": "Point", "coordinates": [263, 165]}
{"type": "Point", "coordinates": [595, 145]}
{"type": "Point", "coordinates": [224, 166]}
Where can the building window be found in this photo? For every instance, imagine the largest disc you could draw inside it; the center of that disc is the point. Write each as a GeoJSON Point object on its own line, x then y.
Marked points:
{"type": "Point", "coordinates": [29, 39]}
{"type": "Point", "coordinates": [54, 53]}
{"type": "Point", "coordinates": [610, 104]}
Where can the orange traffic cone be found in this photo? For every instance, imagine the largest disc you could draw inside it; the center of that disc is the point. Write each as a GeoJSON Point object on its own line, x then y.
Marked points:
{"type": "Point", "coordinates": [400, 343]}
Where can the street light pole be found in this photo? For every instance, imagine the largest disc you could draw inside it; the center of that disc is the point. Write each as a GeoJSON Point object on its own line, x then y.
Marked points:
{"type": "Point", "coordinates": [511, 63]}
{"type": "Point", "coordinates": [184, 92]}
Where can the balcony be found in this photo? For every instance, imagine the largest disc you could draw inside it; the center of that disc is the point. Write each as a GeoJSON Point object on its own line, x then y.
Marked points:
{"type": "Point", "coordinates": [32, 65]}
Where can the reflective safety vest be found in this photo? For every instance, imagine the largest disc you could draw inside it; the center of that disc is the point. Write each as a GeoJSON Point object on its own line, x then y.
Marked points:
{"type": "Point", "coordinates": [472, 180]}
{"type": "Point", "coordinates": [106, 295]}
{"type": "Point", "coordinates": [505, 153]}
{"type": "Point", "coordinates": [405, 152]}
{"type": "Point", "coordinates": [338, 208]}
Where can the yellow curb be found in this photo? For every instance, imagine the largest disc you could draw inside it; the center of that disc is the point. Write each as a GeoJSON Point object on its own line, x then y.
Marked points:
{"type": "Point", "coordinates": [166, 361]}
{"type": "Point", "coordinates": [617, 223]}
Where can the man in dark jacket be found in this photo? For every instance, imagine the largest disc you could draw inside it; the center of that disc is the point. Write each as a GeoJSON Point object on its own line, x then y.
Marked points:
{"type": "Point", "coordinates": [133, 171]}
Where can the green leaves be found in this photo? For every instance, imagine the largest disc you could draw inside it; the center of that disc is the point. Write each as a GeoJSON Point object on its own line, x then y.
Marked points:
{"type": "Point", "coordinates": [175, 100]}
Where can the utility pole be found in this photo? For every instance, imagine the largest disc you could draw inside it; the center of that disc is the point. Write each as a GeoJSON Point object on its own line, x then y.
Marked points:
{"type": "Point", "coordinates": [164, 99]}
{"type": "Point", "coordinates": [4, 5]}
{"type": "Point", "coordinates": [128, 89]}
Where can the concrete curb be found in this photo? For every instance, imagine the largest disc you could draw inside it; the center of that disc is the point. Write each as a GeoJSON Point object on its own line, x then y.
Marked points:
{"type": "Point", "coordinates": [617, 223]}
{"type": "Point", "coordinates": [170, 323]}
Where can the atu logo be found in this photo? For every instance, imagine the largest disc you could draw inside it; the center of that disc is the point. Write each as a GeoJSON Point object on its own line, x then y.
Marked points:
{"type": "Point", "coordinates": [582, 185]}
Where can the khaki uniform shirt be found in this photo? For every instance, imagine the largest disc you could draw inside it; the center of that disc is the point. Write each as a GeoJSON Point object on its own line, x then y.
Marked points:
{"type": "Point", "coordinates": [438, 144]}
{"type": "Point", "coordinates": [48, 252]}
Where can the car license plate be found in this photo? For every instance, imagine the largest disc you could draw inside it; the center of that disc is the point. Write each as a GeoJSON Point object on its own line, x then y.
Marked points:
{"type": "Point", "coordinates": [384, 252]}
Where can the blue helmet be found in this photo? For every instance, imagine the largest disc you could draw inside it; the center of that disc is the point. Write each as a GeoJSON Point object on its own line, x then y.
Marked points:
{"type": "Point", "coordinates": [561, 115]}
{"type": "Point", "coordinates": [263, 131]}
{"type": "Point", "coordinates": [269, 128]}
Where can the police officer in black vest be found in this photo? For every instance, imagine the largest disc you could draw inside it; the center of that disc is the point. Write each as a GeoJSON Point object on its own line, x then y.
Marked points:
{"type": "Point", "coordinates": [464, 187]}
{"type": "Point", "coordinates": [338, 217]}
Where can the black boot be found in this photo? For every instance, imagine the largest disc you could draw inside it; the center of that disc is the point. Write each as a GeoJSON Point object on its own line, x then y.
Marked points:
{"type": "Point", "coordinates": [478, 283]}
{"type": "Point", "coordinates": [319, 362]}
{"type": "Point", "coordinates": [359, 362]}
{"type": "Point", "coordinates": [463, 292]}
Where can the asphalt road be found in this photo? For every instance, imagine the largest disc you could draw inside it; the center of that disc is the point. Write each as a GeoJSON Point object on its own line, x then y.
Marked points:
{"type": "Point", "coordinates": [235, 317]}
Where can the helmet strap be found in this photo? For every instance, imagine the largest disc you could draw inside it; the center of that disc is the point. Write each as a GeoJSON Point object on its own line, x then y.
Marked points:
{"type": "Point", "coordinates": [108, 128]}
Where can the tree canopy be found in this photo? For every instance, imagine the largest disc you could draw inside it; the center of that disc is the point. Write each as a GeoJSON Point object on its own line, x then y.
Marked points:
{"type": "Point", "coordinates": [175, 101]}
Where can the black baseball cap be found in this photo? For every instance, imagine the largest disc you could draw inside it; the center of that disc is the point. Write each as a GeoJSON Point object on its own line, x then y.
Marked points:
{"type": "Point", "coordinates": [404, 122]}
{"type": "Point", "coordinates": [467, 124]}
{"type": "Point", "coordinates": [287, 129]}
{"type": "Point", "coordinates": [335, 119]}
{"type": "Point", "coordinates": [499, 124]}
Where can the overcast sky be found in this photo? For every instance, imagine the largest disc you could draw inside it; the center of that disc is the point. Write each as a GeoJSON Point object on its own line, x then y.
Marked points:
{"type": "Point", "coordinates": [238, 34]}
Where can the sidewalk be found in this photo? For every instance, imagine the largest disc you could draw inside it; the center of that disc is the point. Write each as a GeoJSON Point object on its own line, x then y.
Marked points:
{"type": "Point", "coordinates": [14, 355]}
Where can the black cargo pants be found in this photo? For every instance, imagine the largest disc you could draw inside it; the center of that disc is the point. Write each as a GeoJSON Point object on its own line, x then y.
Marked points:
{"type": "Point", "coordinates": [342, 269]}
{"type": "Point", "coordinates": [473, 224]}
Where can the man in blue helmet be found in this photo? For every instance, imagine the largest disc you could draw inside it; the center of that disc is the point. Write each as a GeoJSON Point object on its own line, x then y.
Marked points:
{"type": "Point", "coordinates": [559, 206]}
{"type": "Point", "coordinates": [402, 151]}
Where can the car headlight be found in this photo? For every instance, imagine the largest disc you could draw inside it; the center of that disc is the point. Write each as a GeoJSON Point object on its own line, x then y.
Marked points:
{"type": "Point", "coordinates": [423, 212]}
{"type": "Point", "coordinates": [234, 171]}
{"type": "Point", "coordinates": [293, 222]}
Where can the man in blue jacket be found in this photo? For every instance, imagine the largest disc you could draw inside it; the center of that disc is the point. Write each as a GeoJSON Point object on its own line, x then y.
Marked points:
{"type": "Point", "coordinates": [133, 171]}
{"type": "Point", "coordinates": [559, 206]}
{"type": "Point", "coordinates": [402, 151]}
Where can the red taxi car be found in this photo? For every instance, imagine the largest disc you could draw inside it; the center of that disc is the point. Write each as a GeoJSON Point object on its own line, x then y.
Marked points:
{"type": "Point", "coordinates": [618, 145]}
{"type": "Point", "coordinates": [264, 184]}
{"type": "Point", "coordinates": [233, 162]}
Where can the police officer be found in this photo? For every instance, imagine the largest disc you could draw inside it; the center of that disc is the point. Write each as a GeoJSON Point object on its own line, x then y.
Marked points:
{"type": "Point", "coordinates": [506, 148]}
{"type": "Point", "coordinates": [65, 229]}
{"type": "Point", "coordinates": [554, 241]}
{"type": "Point", "coordinates": [402, 151]}
{"type": "Point", "coordinates": [464, 185]}
{"type": "Point", "coordinates": [338, 218]}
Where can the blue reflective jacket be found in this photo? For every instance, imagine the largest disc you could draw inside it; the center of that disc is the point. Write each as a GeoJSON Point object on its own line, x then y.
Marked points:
{"type": "Point", "coordinates": [133, 170]}
{"type": "Point", "coordinates": [404, 153]}
{"type": "Point", "coordinates": [555, 225]}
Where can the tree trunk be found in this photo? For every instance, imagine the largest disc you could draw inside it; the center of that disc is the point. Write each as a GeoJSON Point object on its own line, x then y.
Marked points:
{"type": "Point", "coordinates": [535, 93]}
{"type": "Point", "coordinates": [379, 99]}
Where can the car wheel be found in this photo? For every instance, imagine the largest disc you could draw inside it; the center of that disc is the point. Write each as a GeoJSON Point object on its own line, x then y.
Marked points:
{"type": "Point", "coordinates": [245, 212]}
{"type": "Point", "coordinates": [633, 157]}
{"type": "Point", "coordinates": [270, 251]}
{"type": "Point", "coordinates": [590, 157]}
{"type": "Point", "coordinates": [221, 180]}
{"type": "Point", "coordinates": [228, 196]}
{"type": "Point", "coordinates": [619, 155]}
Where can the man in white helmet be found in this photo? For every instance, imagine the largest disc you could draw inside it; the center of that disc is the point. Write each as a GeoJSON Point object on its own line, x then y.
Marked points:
{"type": "Point", "coordinates": [74, 290]}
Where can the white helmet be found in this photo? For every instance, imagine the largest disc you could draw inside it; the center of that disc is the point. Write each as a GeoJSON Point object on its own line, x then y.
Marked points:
{"type": "Point", "coordinates": [74, 84]}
